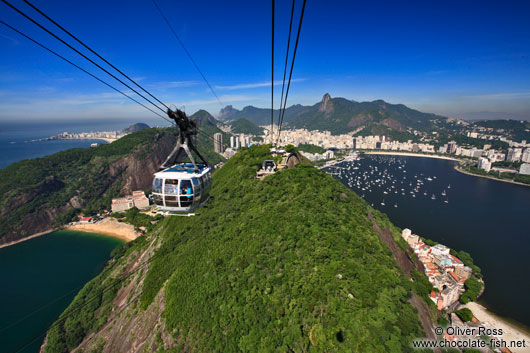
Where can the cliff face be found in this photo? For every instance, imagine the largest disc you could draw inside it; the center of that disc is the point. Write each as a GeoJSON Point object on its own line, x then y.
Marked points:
{"type": "Point", "coordinates": [68, 184]}
{"type": "Point", "coordinates": [136, 170]}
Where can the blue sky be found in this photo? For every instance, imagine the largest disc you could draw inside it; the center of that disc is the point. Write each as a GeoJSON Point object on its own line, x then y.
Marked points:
{"type": "Point", "coordinates": [451, 57]}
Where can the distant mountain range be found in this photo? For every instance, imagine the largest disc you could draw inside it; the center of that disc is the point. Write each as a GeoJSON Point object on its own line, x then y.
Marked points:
{"type": "Point", "coordinates": [340, 115]}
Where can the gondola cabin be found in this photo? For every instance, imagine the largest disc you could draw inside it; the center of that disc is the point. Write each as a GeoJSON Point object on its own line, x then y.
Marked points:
{"type": "Point", "coordinates": [181, 188]}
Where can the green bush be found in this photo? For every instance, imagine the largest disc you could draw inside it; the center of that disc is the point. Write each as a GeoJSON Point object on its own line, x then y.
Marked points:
{"type": "Point", "coordinates": [309, 148]}
{"type": "Point", "coordinates": [465, 314]}
{"type": "Point", "coordinates": [473, 287]}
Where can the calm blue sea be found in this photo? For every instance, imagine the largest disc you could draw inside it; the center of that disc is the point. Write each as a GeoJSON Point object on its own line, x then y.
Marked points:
{"type": "Point", "coordinates": [484, 217]}
{"type": "Point", "coordinates": [13, 137]}
{"type": "Point", "coordinates": [38, 280]}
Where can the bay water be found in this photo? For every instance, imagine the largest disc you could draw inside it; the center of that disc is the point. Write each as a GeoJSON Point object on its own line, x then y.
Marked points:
{"type": "Point", "coordinates": [40, 277]}
{"type": "Point", "coordinates": [486, 218]}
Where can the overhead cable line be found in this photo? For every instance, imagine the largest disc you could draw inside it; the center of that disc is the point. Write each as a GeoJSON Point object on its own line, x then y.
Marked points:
{"type": "Point", "coordinates": [286, 59]}
{"type": "Point", "coordinates": [187, 52]}
{"type": "Point", "coordinates": [292, 65]}
{"type": "Point", "coordinates": [78, 52]}
{"type": "Point", "coordinates": [85, 71]}
{"type": "Point", "coordinates": [93, 52]}
{"type": "Point", "coordinates": [272, 76]}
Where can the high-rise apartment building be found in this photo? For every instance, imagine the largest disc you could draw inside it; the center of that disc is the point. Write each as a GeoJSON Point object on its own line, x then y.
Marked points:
{"type": "Point", "coordinates": [218, 142]}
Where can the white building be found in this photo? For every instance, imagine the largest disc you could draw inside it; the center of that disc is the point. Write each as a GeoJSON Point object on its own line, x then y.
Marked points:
{"type": "Point", "coordinates": [235, 142]}
{"type": "Point", "coordinates": [514, 155]}
{"type": "Point", "coordinates": [476, 153]}
{"type": "Point", "coordinates": [484, 163]}
{"type": "Point", "coordinates": [137, 199]}
{"type": "Point", "coordinates": [524, 169]}
{"type": "Point", "coordinates": [439, 250]}
{"type": "Point", "coordinates": [218, 142]}
{"type": "Point", "coordinates": [526, 156]}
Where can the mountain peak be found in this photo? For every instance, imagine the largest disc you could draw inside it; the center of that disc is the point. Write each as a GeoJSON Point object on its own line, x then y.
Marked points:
{"type": "Point", "coordinates": [136, 127]}
{"type": "Point", "coordinates": [326, 105]}
{"type": "Point", "coordinates": [203, 116]}
{"type": "Point", "coordinates": [227, 112]}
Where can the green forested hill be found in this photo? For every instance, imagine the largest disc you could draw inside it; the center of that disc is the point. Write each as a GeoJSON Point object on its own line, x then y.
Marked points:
{"type": "Point", "coordinates": [37, 194]}
{"type": "Point", "coordinates": [516, 129]}
{"type": "Point", "coordinates": [287, 264]}
{"type": "Point", "coordinates": [208, 126]}
{"type": "Point", "coordinates": [245, 126]}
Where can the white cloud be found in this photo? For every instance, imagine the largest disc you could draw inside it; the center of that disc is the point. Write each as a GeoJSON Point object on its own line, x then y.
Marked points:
{"type": "Point", "coordinates": [162, 85]}
{"type": "Point", "coordinates": [256, 84]}
{"type": "Point", "coordinates": [11, 39]}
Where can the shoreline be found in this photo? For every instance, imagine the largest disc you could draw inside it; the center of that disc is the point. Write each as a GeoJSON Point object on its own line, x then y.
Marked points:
{"type": "Point", "coordinates": [489, 177]}
{"type": "Point", "coordinates": [512, 331]}
{"type": "Point", "coordinates": [106, 227]}
{"type": "Point", "coordinates": [108, 140]}
{"type": "Point", "coordinates": [410, 154]}
{"type": "Point", "coordinates": [33, 236]}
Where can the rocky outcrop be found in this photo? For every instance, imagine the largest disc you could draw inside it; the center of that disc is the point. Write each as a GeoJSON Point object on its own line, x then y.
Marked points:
{"type": "Point", "coordinates": [137, 169]}
{"type": "Point", "coordinates": [129, 328]}
{"type": "Point", "coordinates": [132, 172]}
{"type": "Point", "coordinates": [326, 105]}
{"type": "Point", "coordinates": [227, 113]}
{"type": "Point", "coordinates": [393, 124]}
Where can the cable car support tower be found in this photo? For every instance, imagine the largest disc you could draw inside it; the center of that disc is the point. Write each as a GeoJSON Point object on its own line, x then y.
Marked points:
{"type": "Point", "coordinates": [186, 130]}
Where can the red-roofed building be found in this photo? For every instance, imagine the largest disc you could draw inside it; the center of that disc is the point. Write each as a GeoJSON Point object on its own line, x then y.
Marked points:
{"type": "Point", "coordinates": [86, 220]}
{"type": "Point", "coordinates": [455, 277]}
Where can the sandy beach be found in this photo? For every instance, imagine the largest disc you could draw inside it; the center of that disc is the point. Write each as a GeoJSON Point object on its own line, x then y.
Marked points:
{"type": "Point", "coordinates": [107, 226]}
{"type": "Point", "coordinates": [106, 139]}
{"type": "Point", "coordinates": [510, 331]}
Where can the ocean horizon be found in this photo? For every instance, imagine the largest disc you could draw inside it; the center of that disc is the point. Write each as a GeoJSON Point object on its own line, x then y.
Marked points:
{"type": "Point", "coordinates": [16, 138]}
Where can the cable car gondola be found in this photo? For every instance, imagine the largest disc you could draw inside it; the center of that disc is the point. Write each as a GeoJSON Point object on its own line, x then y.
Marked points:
{"type": "Point", "coordinates": [182, 187]}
